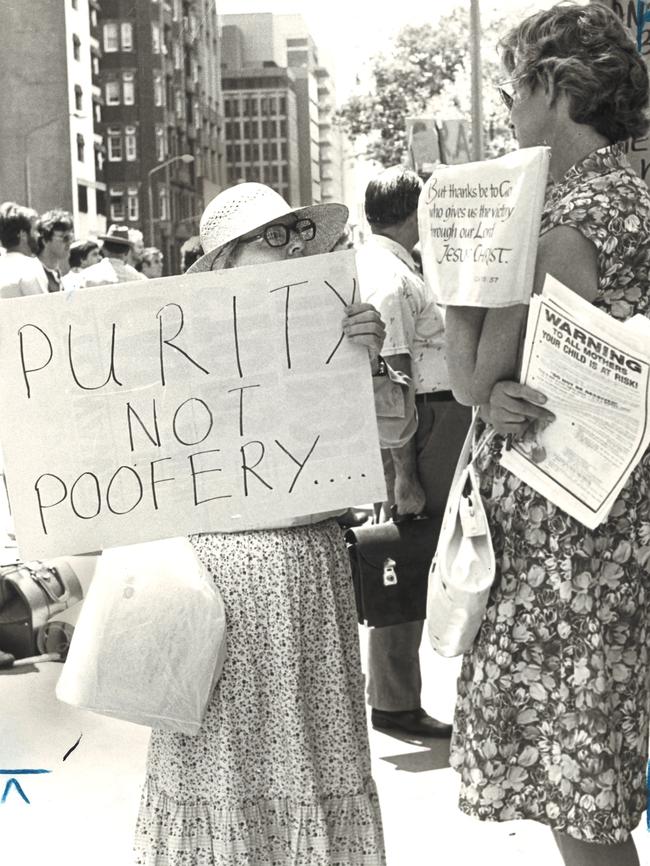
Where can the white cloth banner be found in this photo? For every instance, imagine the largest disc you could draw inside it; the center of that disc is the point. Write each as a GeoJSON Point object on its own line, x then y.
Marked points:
{"type": "Point", "coordinates": [218, 401]}
{"type": "Point", "coordinates": [479, 226]}
{"type": "Point", "coordinates": [595, 372]}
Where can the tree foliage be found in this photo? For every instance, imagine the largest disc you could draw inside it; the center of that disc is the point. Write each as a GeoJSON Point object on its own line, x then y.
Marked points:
{"type": "Point", "coordinates": [428, 65]}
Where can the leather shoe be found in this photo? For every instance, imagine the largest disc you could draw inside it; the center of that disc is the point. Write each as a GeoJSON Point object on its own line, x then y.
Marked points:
{"type": "Point", "coordinates": [414, 722]}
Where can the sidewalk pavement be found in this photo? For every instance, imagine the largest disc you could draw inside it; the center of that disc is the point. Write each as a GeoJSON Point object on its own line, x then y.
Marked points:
{"type": "Point", "coordinates": [83, 811]}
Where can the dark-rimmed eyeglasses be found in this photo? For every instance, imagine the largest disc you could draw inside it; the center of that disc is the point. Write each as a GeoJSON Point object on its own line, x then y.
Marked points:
{"type": "Point", "coordinates": [63, 236]}
{"type": "Point", "coordinates": [278, 234]}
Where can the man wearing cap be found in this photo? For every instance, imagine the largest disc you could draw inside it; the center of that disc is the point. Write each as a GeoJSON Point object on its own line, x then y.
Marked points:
{"type": "Point", "coordinates": [418, 474]}
{"type": "Point", "coordinates": [114, 267]}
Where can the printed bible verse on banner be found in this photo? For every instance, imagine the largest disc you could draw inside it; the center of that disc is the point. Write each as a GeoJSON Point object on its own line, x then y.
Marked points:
{"type": "Point", "coordinates": [218, 401]}
{"type": "Point", "coordinates": [479, 225]}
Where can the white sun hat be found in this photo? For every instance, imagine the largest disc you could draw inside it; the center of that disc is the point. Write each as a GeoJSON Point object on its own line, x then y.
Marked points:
{"type": "Point", "coordinates": [245, 207]}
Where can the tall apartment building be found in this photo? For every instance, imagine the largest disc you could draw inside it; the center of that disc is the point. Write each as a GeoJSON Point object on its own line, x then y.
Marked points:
{"type": "Point", "coordinates": [260, 105]}
{"type": "Point", "coordinates": [162, 117]}
{"type": "Point", "coordinates": [50, 106]}
{"type": "Point", "coordinates": [282, 42]}
{"type": "Point", "coordinates": [331, 141]}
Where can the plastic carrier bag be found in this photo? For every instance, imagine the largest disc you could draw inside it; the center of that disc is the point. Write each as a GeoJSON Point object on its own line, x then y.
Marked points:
{"type": "Point", "coordinates": [150, 642]}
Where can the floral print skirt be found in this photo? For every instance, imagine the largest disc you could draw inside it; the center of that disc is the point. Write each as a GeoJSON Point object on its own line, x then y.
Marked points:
{"type": "Point", "coordinates": [552, 712]}
{"type": "Point", "coordinates": [280, 771]}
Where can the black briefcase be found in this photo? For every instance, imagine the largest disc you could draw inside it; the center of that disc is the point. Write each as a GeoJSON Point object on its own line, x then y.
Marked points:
{"type": "Point", "coordinates": [390, 569]}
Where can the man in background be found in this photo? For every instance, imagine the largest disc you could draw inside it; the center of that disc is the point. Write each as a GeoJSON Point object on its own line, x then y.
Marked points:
{"type": "Point", "coordinates": [419, 474]}
{"type": "Point", "coordinates": [56, 230]}
{"type": "Point", "coordinates": [21, 273]}
{"type": "Point", "coordinates": [136, 253]}
{"type": "Point", "coordinates": [152, 263]}
{"type": "Point", "coordinates": [114, 267]}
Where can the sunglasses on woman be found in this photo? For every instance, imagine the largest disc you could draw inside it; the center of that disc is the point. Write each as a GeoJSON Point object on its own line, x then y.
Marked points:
{"type": "Point", "coordinates": [278, 234]}
{"type": "Point", "coordinates": [507, 93]}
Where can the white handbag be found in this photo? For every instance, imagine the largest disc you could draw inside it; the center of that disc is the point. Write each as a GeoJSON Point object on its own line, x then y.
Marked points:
{"type": "Point", "coordinates": [150, 642]}
{"type": "Point", "coordinates": [463, 567]}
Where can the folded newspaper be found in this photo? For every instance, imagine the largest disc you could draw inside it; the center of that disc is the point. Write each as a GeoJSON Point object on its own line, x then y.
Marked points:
{"type": "Point", "coordinates": [595, 373]}
{"type": "Point", "coordinates": [479, 226]}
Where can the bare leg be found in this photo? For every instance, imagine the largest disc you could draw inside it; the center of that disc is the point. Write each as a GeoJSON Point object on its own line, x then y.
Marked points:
{"type": "Point", "coordinates": [577, 853]}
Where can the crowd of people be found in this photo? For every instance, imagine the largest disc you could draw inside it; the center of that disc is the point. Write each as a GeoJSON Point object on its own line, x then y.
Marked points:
{"type": "Point", "coordinates": [39, 253]}
{"type": "Point", "coordinates": [551, 719]}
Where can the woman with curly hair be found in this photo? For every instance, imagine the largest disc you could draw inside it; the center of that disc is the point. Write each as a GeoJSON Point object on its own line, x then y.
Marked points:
{"type": "Point", "coordinates": [552, 714]}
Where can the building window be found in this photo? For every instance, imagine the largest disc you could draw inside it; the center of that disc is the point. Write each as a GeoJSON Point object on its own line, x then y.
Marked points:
{"type": "Point", "coordinates": [93, 18]}
{"type": "Point", "coordinates": [82, 197]}
{"type": "Point", "coordinates": [128, 88]}
{"type": "Point", "coordinates": [126, 32]}
{"type": "Point", "coordinates": [112, 92]}
{"type": "Point", "coordinates": [155, 37]}
{"type": "Point", "coordinates": [111, 38]}
{"type": "Point", "coordinates": [78, 98]}
{"type": "Point", "coordinates": [95, 64]}
{"type": "Point", "coordinates": [180, 105]}
{"type": "Point", "coordinates": [160, 143]}
{"type": "Point", "coordinates": [176, 7]}
{"type": "Point", "coordinates": [114, 140]}
{"type": "Point", "coordinates": [158, 90]}
{"type": "Point", "coordinates": [117, 204]}
{"type": "Point", "coordinates": [163, 203]}
{"type": "Point", "coordinates": [76, 47]}
{"type": "Point", "coordinates": [178, 56]}
{"type": "Point", "coordinates": [98, 112]}
{"type": "Point", "coordinates": [133, 204]}
{"type": "Point", "coordinates": [130, 143]}
{"type": "Point", "coordinates": [99, 163]}
{"type": "Point", "coordinates": [80, 147]}
{"type": "Point", "coordinates": [100, 198]}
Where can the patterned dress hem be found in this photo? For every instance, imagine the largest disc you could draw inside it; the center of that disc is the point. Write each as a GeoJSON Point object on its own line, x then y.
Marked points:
{"type": "Point", "coordinates": [262, 833]}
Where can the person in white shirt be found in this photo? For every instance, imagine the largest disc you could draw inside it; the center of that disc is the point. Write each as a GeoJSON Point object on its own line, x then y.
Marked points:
{"type": "Point", "coordinates": [114, 267]}
{"type": "Point", "coordinates": [83, 254]}
{"type": "Point", "coordinates": [419, 474]}
{"type": "Point", "coordinates": [21, 273]}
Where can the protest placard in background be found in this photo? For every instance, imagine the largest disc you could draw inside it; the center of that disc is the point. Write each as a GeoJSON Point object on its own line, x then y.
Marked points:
{"type": "Point", "coordinates": [637, 149]}
{"type": "Point", "coordinates": [226, 400]}
{"type": "Point", "coordinates": [479, 227]}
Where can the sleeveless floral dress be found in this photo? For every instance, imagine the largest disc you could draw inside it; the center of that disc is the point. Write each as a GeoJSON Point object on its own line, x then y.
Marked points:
{"type": "Point", "coordinates": [552, 712]}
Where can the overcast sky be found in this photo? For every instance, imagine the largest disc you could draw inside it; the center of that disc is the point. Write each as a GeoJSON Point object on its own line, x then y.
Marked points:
{"type": "Point", "coordinates": [348, 32]}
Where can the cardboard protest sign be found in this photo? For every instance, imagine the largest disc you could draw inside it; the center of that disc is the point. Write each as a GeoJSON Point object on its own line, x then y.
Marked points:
{"type": "Point", "coordinates": [217, 401]}
{"type": "Point", "coordinates": [479, 225]}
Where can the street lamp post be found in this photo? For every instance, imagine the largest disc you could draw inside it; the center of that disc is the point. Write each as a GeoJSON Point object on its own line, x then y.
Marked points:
{"type": "Point", "coordinates": [477, 106]}
{"type": "Point", "coordinates": [183, 157]}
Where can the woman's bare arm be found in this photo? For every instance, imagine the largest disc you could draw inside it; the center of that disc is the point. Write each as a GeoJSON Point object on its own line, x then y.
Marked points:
{"type": "Point", "coordinates": [483, 345]}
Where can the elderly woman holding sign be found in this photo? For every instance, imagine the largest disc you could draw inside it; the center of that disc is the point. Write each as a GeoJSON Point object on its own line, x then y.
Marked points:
{"type": "Point", "coordinates": [552, 713]}
{"type": "Point", "coordinates": [280, 771]}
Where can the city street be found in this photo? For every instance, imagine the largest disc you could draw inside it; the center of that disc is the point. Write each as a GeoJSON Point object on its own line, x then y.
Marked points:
{"type": "Point", "coordinates": [83, 811]}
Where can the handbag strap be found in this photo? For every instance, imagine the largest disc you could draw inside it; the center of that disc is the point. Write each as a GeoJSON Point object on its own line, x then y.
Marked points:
{"type": "Point", "coordinates": [471, 447]}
